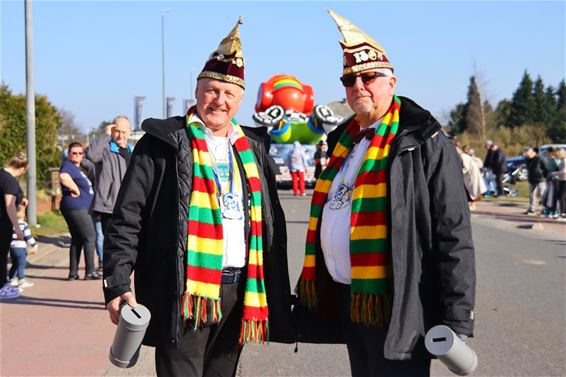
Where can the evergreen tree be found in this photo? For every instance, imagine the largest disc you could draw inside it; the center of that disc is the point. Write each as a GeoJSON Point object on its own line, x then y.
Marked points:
{"type": "Point", "coordinates": [457, 121]}
{"type": "Point", "coordinates": [561, 93]}
{"type": "Point", "coordinates": [522, 103]}
{"type": "Point", "coordinates": [544, 110]}
{"type": "Point", "coordinates": [502, 113]}
{"type": "Point", "coordinates": [557, 130]}
{"type": "Point", "coordinates": [474, 111]}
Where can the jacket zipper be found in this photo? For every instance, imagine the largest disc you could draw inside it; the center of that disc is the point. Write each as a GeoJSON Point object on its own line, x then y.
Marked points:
{"type": "Point", "coordinates": [177, 338]}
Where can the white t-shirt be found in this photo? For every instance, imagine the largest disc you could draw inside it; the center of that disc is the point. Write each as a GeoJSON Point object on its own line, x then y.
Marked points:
{"type": "Point", "coordinates": [335, 224]}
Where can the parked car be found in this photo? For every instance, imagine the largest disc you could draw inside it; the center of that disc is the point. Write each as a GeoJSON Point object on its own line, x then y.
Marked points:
{"type": "Point", "coordinates": [280, 153]}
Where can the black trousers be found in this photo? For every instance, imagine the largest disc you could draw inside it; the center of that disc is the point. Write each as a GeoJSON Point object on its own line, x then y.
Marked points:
{"type": "Point", "coordinates": [209, 351]}
{"type": "Point", "coordinates": [83, 237]}
{"type": "Point", "coordinates": [499, 183]}
{"type": "Point", "coordinates": [6, 231]}
{"type": "Point", "coordinates": [104, 221]}
{"type": "Point", "coordinates": [365, 349]}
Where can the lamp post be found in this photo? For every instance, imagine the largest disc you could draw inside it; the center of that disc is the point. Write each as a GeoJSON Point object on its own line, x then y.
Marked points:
{"type": "Point", "coordinates": [30, 116]}
{"type": "Point", "coordinates": [163, 13]}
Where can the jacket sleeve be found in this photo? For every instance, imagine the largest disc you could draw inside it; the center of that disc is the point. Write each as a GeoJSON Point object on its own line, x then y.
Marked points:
{"type": "Point", "coordinates": [96, 148]}
{"type": "Point", "coordinates": [543, 169]}
{"type": "Point", "coordinates": [560, 174]}
{"type": "Point", "coordinates": [121, 241]}
{"type": "Point", "coordinates": [454, 260]}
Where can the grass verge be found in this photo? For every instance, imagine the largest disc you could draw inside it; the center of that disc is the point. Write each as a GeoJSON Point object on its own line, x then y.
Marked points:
{"type": "Point", "coordinates": [51, 223]}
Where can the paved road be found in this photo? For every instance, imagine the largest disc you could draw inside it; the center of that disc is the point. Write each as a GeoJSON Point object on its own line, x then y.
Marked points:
{"type": "Point", "coordinates": [520, 326]}
{"type": "Point", "coordinates": [59, 328]}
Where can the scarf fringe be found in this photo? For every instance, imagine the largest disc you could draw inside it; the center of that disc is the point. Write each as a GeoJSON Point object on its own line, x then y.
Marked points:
{"type": "Point", "coordinates": [307, 293]}
{"type": "Point", "coordinates": [370, 309]}
{"type": "Point", "coordinates": [197, 308]}
{"type": "Point", "coordinates": [255, 331]}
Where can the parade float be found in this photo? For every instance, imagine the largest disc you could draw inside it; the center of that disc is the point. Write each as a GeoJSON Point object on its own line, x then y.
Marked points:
{"type": "Point", "coordinates": [287, 108]}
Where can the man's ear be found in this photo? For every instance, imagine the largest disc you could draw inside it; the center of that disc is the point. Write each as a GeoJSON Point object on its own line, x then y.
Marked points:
{"type": "Point", "coordinates": [393, 83]}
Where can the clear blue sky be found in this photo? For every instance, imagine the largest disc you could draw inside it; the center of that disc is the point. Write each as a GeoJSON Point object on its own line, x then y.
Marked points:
{"type": "Point", "coordinates": [93, 57]}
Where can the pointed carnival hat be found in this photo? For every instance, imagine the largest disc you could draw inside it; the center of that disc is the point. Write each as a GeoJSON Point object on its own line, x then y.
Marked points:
{"type": "Point", "coordinates": [227, 62]}
{"type": "Point", "coordinates": [360, 51]}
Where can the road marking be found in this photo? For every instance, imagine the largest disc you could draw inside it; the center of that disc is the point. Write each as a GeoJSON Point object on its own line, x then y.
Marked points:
{"type": "Point", "coordinates": [534, 262]}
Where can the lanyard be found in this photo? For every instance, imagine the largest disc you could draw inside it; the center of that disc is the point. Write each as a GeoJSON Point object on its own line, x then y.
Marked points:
{"type": "Point", "coordinates": [344, 167]}
{"type": "Point", "coordinates": [231, 173]}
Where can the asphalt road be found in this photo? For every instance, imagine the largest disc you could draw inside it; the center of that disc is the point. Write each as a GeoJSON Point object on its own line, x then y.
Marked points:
{"type": "Point", "coordinates": [520, 309]}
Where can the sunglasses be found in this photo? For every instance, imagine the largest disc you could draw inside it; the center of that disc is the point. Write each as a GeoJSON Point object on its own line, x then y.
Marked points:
{"type": "Point", "coordinates": [367, 78]}
{"type": "Point", "coordinates": [77, 153]}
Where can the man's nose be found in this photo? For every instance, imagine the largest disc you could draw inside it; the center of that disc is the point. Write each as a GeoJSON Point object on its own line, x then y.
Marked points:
{"type": "Point", "coordinates": [219, 98]}
{"type": "Point", "coordinates": [358, 83]}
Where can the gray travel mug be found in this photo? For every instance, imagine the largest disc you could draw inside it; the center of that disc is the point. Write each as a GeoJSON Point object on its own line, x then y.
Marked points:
{"type": "Point", "coordinates": [129, 335]}
{"type": "Point", "coordinates": [443, 343]}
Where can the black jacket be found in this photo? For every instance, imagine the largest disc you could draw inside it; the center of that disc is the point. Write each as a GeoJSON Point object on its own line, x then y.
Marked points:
{"type": "Point", "coordinates": [148, 231]}
{"type": "Point", "coordinates": [536, 169]}
{"type": "Point", "coordinates": [430, 237]}
{"type": "Point", "coordinates": [496, 161]}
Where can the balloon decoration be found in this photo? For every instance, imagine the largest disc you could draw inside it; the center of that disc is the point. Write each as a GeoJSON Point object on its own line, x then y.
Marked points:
{"type": "Point", "coordinates": [286, 107]}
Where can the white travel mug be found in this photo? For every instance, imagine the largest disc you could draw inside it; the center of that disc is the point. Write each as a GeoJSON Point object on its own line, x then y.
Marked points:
{"type": "Point", "coordinates": [443, 343]}
{"type": "Point", "coordinates": [131, 329]}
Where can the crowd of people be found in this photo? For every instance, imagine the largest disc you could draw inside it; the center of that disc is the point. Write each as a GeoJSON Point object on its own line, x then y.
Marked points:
{"type": "Point", "coordinates": [89, 189]}
{"type": "Point", "coordinates": [547, 180]}
{"type": "Point", "coordinates": [546, 177]}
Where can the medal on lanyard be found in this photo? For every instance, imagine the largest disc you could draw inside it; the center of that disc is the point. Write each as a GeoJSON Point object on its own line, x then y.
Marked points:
{"type": "Point", "coordinates": [229, 202]}
{"type": "Point", "coordinates": [343, 196]}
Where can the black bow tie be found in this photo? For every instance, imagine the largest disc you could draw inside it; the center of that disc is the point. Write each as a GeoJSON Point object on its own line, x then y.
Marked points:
{"type": "Point", "coordinates": [364, 132]}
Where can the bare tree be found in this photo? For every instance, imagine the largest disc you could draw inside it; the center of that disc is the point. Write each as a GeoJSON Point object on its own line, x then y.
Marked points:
{"type": "Point", "coordinates": [69, 129]}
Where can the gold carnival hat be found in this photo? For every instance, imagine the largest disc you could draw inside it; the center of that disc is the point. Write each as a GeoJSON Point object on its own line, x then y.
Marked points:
{"type": "Point", "coordinates": [361, 52]}
{"type": "Point", "coordinates": [227, 62]}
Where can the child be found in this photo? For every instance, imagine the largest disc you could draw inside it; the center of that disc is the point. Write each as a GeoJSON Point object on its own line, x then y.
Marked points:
{"type": "Point", "coordinates": [18, 253]}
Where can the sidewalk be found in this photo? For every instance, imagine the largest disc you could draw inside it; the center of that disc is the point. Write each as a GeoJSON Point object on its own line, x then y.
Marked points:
{"type": "Point", "coordinates": [511, 216]}
{"type": "Point", "coordinates": [61, 328]}
{"type": "Point", "coordinates": [57, 327]}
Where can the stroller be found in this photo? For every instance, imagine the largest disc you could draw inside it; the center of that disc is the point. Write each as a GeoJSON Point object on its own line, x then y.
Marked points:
{"type": "Point", "coordinates": [509, 179]}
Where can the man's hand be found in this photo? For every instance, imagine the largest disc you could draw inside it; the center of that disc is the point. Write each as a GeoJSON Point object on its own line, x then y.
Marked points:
{"type": "Point", "coordinates": [108, 129]}
{"type": "Point", "coordinates": [113, 306]}
{"type": "Point", "coordinates": [19, 233]}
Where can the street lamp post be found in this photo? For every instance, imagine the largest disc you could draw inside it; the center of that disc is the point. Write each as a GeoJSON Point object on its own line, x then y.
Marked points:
{"type": "Point", "coordinates": [30, 116]}
{"type": "Point", "coordinates": [163, 13]}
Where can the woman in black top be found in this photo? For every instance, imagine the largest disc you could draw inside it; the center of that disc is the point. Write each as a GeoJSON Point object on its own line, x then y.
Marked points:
{"type": "Point", "coordinates": [11, 196]}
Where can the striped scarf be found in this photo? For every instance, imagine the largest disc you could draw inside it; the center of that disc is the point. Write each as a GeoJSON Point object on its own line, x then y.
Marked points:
{"type": "Point", "coordinates": [369, 248]}
{"type": "Point", "coordinates": [201, 301]}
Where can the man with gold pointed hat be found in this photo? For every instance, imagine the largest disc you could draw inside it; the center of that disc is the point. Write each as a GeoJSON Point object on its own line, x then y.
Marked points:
{"type": "Point", "coordinates": [199, 221]}
{"type": "Point", "coordinates": [389, 251]}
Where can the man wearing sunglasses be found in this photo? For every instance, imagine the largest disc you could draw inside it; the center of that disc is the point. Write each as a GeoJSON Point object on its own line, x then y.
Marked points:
{"type": "Point", "coordinates": [389, 251]}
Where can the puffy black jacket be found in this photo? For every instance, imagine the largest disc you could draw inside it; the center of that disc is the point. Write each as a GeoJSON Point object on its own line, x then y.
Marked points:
{"type": "Point", "coordinates": [430, 237]}
{"type": "Point", "coordinates": [148, 231]}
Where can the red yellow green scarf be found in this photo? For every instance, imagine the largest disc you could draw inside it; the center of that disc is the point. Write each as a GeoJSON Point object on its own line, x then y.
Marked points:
{"type": "Point", "coordinates": [201, 301]}
{"type": "Point", "coordinates": [369, 248]}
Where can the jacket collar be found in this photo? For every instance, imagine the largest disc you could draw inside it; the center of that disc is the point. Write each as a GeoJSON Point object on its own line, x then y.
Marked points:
{"type": "Point", "coordinates": [416, 126]}
{"type": "Point", "coordinates": [114, 148]}
{"type": "Point", "coordinates": [167, 130]}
